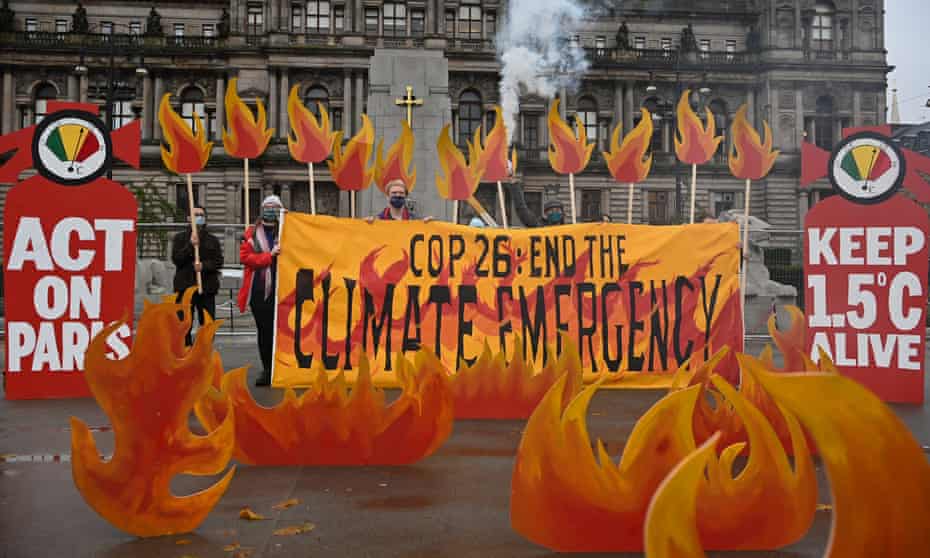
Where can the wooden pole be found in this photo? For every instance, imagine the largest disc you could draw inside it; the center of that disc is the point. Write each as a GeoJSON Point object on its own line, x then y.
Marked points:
{"type": "Point", "coordinates": [693, 189]}
{"type": "Point", "coordinates": [629, 206]}
{"type": "Point", "coordinates": [312, 189]}
{"type": "Point", "coordinates": [503, 204]}
{"type": "Point", "coordinates": [455, 211]}
{"type": "Point", "coordinates": [190, 207]}
{"type": "Point", "coordinates": [571, 192]}
{"type": "Point", "coordinates": [352, 203]}
{"type": "Point", "coordinates": [481, 211]}
{"type": "Point", "coordinates": [245, 193]}
{"type": "Point", "coordinates": [745, 242]}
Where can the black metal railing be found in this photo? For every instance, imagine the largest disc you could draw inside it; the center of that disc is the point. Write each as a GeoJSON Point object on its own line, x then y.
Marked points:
{"type": "Point", "coordinates": [99, 41]}
{"type": "Point", "coordinates": [662, 57]}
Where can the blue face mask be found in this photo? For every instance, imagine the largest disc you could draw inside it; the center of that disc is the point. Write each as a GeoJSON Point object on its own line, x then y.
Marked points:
{"type": "Point", "coordinates": [270, 215]}
{"type": "Point", "coordinates": [200, 220]}
{"type": "Point", "coordinates": [397, 202]}
{"type": "Point", "coordinates": [555, 217]}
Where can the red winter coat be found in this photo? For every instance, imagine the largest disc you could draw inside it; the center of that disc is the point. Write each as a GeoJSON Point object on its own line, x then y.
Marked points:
{"type": "Point", "coordinates": [252, 261]}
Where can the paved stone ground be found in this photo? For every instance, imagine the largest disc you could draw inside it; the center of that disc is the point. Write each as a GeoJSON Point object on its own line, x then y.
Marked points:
{"type": "Point", "coordinates": [454, 504]}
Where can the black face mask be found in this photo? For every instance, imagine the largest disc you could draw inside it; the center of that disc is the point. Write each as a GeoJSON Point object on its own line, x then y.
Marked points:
{"type": "Point", "coordinates": [397, 202]}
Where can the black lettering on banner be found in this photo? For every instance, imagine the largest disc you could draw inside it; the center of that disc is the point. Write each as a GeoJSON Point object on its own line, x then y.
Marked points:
{"type": "Point", "coordinates": [552, 256]}
{"type": "Point", "coordinates": [658, 334]}
{"type": "Point", "coordinates": [505, 327]}
{"type": "Point", "coordinates": [456, 251]}
{"type": "Point", "coordinates": [502, 261]}
{"type": "Point", "coordinates": [560, 326]}
{"type": "Point", "coordinates": [568, 256]}
{"type": "Point", "coordinates": [590, 240]}
{"type": "Point", "coordinates": [606, 250]}
{"type": "Point", "coordinates": [350, 304]}
{"type": "Point", "coordinates": [387, 310]}
{"type": "Point", "coordinates": [621, 267]}
{"type": "Point", "coordinates": [433, 266]}
{"type": "Point", "coordinates": [537, 331]}
{"type": "Point", "coordinates": [439, 295]}
{"type": "Point", "coordinates": [709, 310]}
{"type": "Point", "coordinates": [535, 253]}
{"type": "Point", "coordinates": [414, 240]}
{"type": "Point", "coordinates": [330, 362]}
{"type": "Point", "coordinates": [412, 310]}
{"type": "Point", "coordinates": [680, 283]}
{"type": "Point", "coordinates": [480, 269]}
{"type": "Point", "coordinates": [613, 364]}
{"type": "Point", "coordinates": [583, 330]}
{"type": "Point", "coordinates": [302, 293]}
{"type": "Point", "coordinates": [636, 361]}
{"type": "Point", "coordinates": [468, 294]}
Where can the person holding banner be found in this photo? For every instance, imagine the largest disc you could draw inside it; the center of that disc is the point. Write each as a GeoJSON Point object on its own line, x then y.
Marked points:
{"type": "Point", "coordinates": [259, 254]}
{"type": "Point", "coordinates": [397, 209]}
{"type": "Point", "coordinates": [185, 275]}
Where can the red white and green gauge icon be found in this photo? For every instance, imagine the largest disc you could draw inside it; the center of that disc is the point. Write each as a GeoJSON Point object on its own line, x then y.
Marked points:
{"type": "Point", "coordinates": [72, 147]}
{"type": "Point", "coordinates": [867, 168]}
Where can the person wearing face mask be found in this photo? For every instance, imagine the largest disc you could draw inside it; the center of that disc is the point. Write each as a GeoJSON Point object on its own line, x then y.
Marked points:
{"type": "Point", "coordinates": [553, 213]}
{"type": "Point", "coordinates": [185, 274]}
{"type": "Point", "coordinates": [397, 209]}
{"type": "Point", "coordinates": [259, 253]}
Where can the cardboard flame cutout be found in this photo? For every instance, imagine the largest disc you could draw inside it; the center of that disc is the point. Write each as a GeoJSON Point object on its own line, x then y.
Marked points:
{"type": "Point", "coordinates": [245, 136]}
{"type": "Point", "coordinates": [148, 397]}
{"type": "Point", "coordinates": [493, 155]}
{"type": "Point", "coordinates": [399, 158]}
{"type": "Point", "coordinates": [327, 425]}
{"type": "Point", "coordinates": [628, 162]}
{"type": "Point", "coordinates": [750, 158]}
{"type": "Point", "coordinates": [349, 168]}
{"type": "Point", "coordinates": [310, 140]}
{"type": "Point", "coordinates": [188, 150]}
{"type": "Point", "coordinates": [491, 388]}
{"type": "Point", "coordinates": [568, 153]}
{"type": "Point", "coordinates": [459, 180]}
{"type": "Point", "coordinates": [694, 143]}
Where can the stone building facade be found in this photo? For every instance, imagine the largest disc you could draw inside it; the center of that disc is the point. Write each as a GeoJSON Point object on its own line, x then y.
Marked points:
{"type": "Point", "coordinates": [808, 67]}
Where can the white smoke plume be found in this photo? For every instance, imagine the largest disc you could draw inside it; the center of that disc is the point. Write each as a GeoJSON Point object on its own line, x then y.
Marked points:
{"type": "Point", "coordinates": [534, 49]}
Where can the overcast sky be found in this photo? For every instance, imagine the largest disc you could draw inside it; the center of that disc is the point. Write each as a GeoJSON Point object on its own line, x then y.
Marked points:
{"type": "Point", "coordinates": [907, 38]}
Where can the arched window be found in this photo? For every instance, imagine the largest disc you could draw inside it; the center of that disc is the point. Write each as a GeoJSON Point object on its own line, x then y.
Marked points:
{"type": "Point", "coordinates": [718, 107]}
{"type": "Point", "coordinates": [469, 115]}
{"type": "Point", "coordinates": [191, 104]}
{"type": "Point", "coordinates": [314, 97]}
{"type": "Point", "coordinates": [823, 122]}
{"type": "Point", "coordinates": [587, 117]}
{"type": "Point", "coordinates": [822, 26]}
{"type": "Point", "coordinates": [44, 93]}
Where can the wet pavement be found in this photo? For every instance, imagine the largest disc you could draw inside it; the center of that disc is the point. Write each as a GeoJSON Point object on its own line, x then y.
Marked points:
{"type": "Point", "coordinates": [453, 504]}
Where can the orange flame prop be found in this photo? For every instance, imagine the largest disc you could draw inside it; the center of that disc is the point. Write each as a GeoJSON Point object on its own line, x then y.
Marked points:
{"type": "Point", "coordinates": [493, 155]}
{"type": "Point", "coordinates": [328, 426]}
{"type": "Point", "coordinates": [568, 153]}
{"type": "Point", "coordinates": [628, 162]}
{"type": "Point", "coordinates": [148, 397]}
{"type": "Point", "coordinates": [310, 141]}
{"type": "Point", "coordinates": [188, 150]}
{"type": "Point", "coordinates": [245, 137]}
{"type": "Point", "coordinates": [399, 159]}
{"type": "Point", "coordinates": [490, 388]}
{"type": "Point", "coordinates": [695, 144]}
{"type": "Point", "coordinates": [459, 180]}
{"type": "Point", "coordinates": [558, 481]}
{"type": "Point", "coordinates": [750, 158]}
{"type": "Point", "coordinates": [350, 168]}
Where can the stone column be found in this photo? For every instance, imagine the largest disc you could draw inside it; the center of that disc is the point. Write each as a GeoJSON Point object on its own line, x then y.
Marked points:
{"type": "Point", "coordinates": [273, 99]}
{"type": "Point", "coordinates": [857, 108]}
{"type": "Point", "coordinates": [72, 88]}
{"type": "Point", "coordinates": [283, 91]}
{"type": "Point", "coordinates": [360, 101]}
{"type": "Point", "coordinates": [159, 91]}
{"type": "Point", "coordinates": [82, 89]}
{"type": "Point", "coordinates": [799, 117]}
{"type": "Point", "coordinates": [346, 102]}
{"type": "Point", "coordinates": [563, 104]}
{"type": "Point", "coordinates": [802, 207]}
{"type": "Point", "coordinates": [286, 195]}
{"type": "Point", "coordinates": [220, 108]}
{"type": "Point", "coordinates": [9, 104]}
{"type": "Point", "coordinates": [618, 109]}
{"type": "Point", "coordinates": [275, 16]}
{"type": "Point", "coordinates": [148, 107]}
{"type": "Point", "coordinates": [628, 108]}
{"type": "Point", "coordinates": [751, 106]}
{"type": "Point", "coordinates": [360, 13]}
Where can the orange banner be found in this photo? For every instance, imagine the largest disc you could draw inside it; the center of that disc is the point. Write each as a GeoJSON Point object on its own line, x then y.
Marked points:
{"type": "Point", "coordinates": [632, 298]}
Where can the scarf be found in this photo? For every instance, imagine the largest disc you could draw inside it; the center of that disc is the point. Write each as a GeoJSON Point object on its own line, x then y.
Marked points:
{"type": "Point", "coordinates": [405, 215]}
{"type": "Point", "coordinates": [263, 244]}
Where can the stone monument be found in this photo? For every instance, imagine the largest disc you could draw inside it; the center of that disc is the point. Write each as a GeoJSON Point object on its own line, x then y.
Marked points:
{"type": "Point", "coordinates": [426, 73]}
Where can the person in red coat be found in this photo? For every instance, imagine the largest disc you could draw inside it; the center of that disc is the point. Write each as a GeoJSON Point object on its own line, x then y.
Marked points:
{"type": "Point", "coordinates": [259, 254]}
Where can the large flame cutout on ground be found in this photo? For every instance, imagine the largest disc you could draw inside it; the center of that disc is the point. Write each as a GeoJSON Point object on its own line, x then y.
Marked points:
{"type": "Point", "coordinates": [750, 159]}
{"type": "Point", "coordinates": [568, 153]}
{"type": "Point", "coordinates": [566, 498]}
{"type": "Point", "coordinates": [148, 397]}
{"type": "Point", "coordinates": [328, 425]}
{"type": "Point", "coordinates": [245, 137]}
{"type": "Point", "coordinates": [310, 140]}
{"type": "Point", "coordinates": [399, 158]}
{"type": "Point", "coordinates": [459, 180]}
{"type": "Point", "coordinates": [695, 144]}
{"type": "Point", "coordinates": [188, 150]}
{"type": "Point", "coordinates": [493, 155]}
{"type": "Point", "coordinates": [491, 388]}
{"type": "Point", "coordinates": [628, 162]}
{"type": "Point", "coordinates": [350, 168]}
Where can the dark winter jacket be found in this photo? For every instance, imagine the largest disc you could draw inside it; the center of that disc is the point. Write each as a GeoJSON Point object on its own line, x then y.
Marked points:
{"type": "Point", "coordinates": [211, 257]}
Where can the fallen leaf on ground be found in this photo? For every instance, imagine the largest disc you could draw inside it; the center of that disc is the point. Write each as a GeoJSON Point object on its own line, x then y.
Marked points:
{"type": "Point", "coordinates": [286, 504]}
{"type": "Point", "coordinates": [246, 513]}
{"type": "Point", "coordinates": [294, 530]}
{"type": "Point", "coordinates": [182, 542]}
{"type": "Point", "coordinates": [824, 507]}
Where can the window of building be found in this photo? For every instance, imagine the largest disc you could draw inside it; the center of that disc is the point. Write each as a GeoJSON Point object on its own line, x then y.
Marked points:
{"type": "Point", "coordinates": [600, 45]}
{"type": "Point", "coordinates": [255, 205]}
{"type": "Point", "coordinates": [32, 24]}
{"type": "Point", "coordinates": [531, 131]}
{"type": "Point", "coordinates": [255, 19]}
{"type": "Point", "coordinates": [339, 18]}
{"type": "Point", "coordinates": [43, 94]}
{"type": "Point", "coordinates": [658, 207]}
{"type": "Point", "coordinates": [297, 17]}
{"type": "Point", "coordinates": [923, 141]}
{"type": "Point", "coordinates": [822, 26]}
{"type": "Point", "coordinates": [450, 23]}
{"type": "Point", "coordinates": [371, 21]}
{"type": "Point", "coordinates": [395, 19]}
{"type": "Point", "coordinates": [639, 43]}
{"type": "Point", "coordinates": [178, 29]}
{"type": "Point", "coordinates": [61, 25]}
{"type": "Point", "coordinates": [208, 30]}
{"type": "Point", "coordinates": [135, 27]}
{"type": "Point", "coordinates": [704, 46]}
{"type": "Point", "coordinates": [534, 202]}
{"type": "Point", "coordinates": [106, 27]}
{"type": "Point", "coordinates": [587, 117]}
{"type": "Point", "coordinates": [719, 109]}
{"type": "Point", "coordinates": [191, 104]}
{"type": "Point", "coordinates": [652, 105]}
{"type": "Point", "coordinates": [821, 125]}
{"type": "Point", "coordinates": [731, 48]}
{"type": "Point", "coordinates": [725, 201]}
{"type": "Point", "coordinates": [666, 43]}
{"type": "Point", "coordinates": [469, 116]}
{"type": "Point", "coordinates": [417, 22]}
{"type": "Point", "coordinates": [318, 16]}
{"type": "Point", "coordinates": [490, 24]}
{"type": "Point", "coordinates": [469, 25]}
{"type": "Point", "coordinates": [591, 205]}
{"type": "Point", "coordinates": [180, 197]}
{"type": "Point", "coordinates": [121, 113]}
{"type": "Point", "coordinates": [575, 41]}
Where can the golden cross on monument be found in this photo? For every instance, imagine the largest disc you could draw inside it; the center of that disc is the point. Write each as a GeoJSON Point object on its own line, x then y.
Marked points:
{"type": "Point", "coordinates": [409, 101]}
